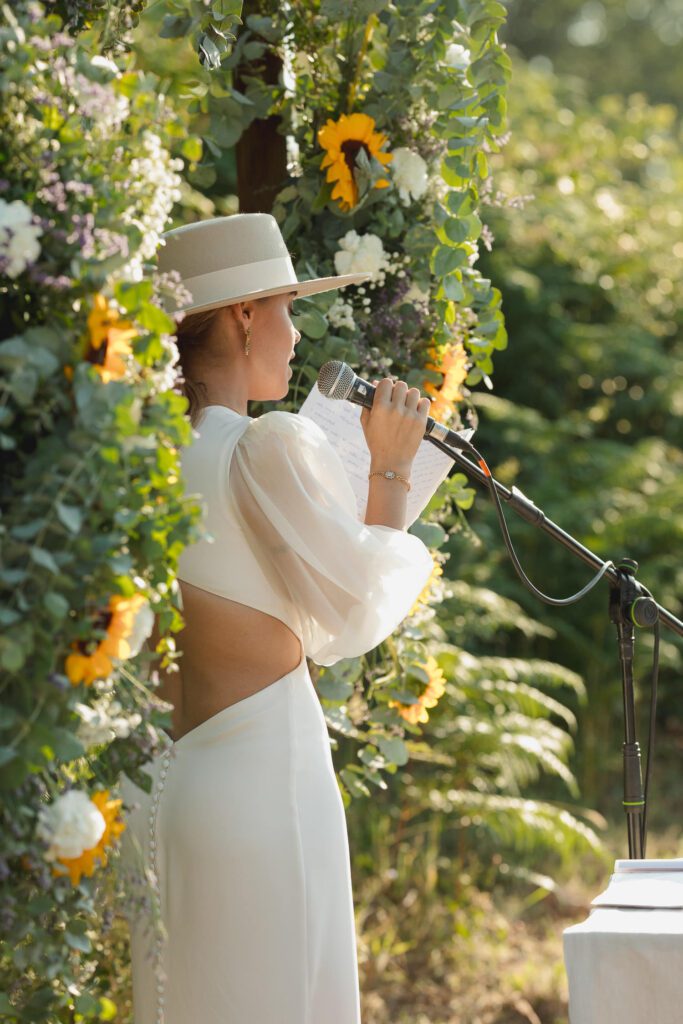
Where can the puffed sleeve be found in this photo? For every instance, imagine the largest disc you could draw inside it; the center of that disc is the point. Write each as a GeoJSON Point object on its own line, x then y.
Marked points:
{"type": "Point", "coordinates": [351, 583]}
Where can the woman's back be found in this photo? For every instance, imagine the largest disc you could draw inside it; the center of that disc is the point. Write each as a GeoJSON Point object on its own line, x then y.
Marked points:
{"type": "Point", "coordinates": [229, 652]}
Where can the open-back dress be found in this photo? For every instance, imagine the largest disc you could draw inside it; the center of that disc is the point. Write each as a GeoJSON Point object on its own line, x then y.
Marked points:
{"type": "Point", "coordinates": [244, 832]}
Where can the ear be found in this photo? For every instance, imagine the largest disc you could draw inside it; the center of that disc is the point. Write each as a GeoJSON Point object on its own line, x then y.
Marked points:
{"type": "Point", "coordinates": [243, 312]}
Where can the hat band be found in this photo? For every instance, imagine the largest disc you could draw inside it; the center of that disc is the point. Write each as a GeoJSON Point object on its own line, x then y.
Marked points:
{"type": "Point", "coordinates": [249, 277]}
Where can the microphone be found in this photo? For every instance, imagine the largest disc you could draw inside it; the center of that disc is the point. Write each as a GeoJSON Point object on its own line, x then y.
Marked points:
{"type": "Point", "coordinates": [337, 379]}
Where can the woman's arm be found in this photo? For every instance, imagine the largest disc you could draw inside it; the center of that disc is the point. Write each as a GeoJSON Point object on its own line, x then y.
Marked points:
{"type": "Point", "coordinates": [394, 427]}
{"type": "Point", "coordinates": [387, 499]}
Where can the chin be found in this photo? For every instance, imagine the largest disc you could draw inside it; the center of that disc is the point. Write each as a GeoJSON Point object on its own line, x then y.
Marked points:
{"type": "Point", "coordinates": [274, 393]}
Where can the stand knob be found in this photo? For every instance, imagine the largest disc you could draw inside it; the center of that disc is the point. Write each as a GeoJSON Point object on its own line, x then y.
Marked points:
{"type": "Point", "coordinates": [644, 611]}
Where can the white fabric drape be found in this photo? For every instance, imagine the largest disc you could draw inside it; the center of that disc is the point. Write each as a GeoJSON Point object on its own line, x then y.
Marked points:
{"type": "Point", "coordinates": [352, 583]}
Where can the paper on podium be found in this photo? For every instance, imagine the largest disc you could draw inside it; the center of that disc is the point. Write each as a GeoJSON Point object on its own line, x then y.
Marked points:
{"type": "Point", "coordinates": [340, 421]}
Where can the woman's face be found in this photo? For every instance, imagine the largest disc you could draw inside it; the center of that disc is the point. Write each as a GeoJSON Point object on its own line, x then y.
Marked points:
{"type": "Point", "coordinates": [273, 337]}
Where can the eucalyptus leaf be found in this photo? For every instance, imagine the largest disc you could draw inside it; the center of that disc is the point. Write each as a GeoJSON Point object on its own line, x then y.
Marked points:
{"type": "Point", "coordinates": [43, 558]}
{"type": "Point", "coordinates": [70, 515]}
{"type": "Point", "coordinates": [393, 748]}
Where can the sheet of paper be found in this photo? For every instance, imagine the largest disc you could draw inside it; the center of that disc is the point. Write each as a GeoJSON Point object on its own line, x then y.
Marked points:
{"type": "Point", "coordinates": [341, 422]}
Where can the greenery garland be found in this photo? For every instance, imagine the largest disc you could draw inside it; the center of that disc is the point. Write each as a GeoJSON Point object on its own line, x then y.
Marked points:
{"type": "Point", "coordinates": [93, 511]}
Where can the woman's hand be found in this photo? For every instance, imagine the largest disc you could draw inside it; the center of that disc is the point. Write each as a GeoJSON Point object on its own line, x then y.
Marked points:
{"type": "Point", "coordinates": [395, 425]}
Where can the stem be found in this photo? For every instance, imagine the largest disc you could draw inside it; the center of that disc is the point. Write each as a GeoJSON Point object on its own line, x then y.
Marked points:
{"type": "Point", "coordinates": [26, 726]}
{"type": "Point", "coordinates": [367, 36]}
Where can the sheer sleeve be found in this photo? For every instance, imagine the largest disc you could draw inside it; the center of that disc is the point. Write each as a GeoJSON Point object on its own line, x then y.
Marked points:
{"type": "Point", "coordinates": [351, 583]}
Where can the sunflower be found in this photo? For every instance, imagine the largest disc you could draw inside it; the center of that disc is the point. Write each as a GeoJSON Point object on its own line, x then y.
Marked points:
{"type": "Point", "coordinates": [109, 339]}
{"type": "Point", "coordinates": [342, 140]}
{"type": "Point", "coordinates": [113, 826]}
{"type": "Point", "coordinates": [428, 698]}
{"type": "Point", "coordinates": [423, 596]}
{"type": "Point", "coordinates": [119, 622]}
{"type": "Point", "coordinates": [451, 361]}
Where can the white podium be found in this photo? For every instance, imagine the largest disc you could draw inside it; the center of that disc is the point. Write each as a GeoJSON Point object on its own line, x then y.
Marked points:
{"type": "Point", "coordinates": [625, 961]}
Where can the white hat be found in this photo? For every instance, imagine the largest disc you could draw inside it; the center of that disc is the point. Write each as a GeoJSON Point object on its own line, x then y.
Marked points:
{"type": "Point", "coordinates": [229, 259]}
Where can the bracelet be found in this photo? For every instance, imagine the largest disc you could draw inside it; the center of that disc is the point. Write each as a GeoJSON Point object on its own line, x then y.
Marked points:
{"type": "Point", "coordinates": [389, 474]}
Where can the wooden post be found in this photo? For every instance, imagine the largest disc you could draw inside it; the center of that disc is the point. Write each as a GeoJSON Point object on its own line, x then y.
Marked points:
{"type": "Point", "coordinates": [261, 152]}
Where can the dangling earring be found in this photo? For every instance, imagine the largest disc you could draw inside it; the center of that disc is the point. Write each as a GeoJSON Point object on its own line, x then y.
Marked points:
{"type": "Point", "coordinates": [247, 342]}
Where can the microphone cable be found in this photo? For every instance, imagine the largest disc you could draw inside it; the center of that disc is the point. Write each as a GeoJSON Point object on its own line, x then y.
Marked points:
{"type": "Point", "coordinates": [557, 601]}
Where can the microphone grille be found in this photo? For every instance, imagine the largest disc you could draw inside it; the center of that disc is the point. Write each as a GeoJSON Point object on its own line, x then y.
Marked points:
{"type": "Point", "coordinates": [335, 379]}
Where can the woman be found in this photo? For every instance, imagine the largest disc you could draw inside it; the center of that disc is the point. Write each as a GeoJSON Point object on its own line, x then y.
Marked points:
{"type": "Point", "coordinates": [244, 829]}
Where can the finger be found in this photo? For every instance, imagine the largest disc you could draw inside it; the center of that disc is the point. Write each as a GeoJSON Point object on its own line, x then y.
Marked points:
{"type": "Point", "coordinates": [383, 391]}
{"type": "Point", "coordinates": [398, 395]}
{"type": "Point", "coordinates": [412, 398]}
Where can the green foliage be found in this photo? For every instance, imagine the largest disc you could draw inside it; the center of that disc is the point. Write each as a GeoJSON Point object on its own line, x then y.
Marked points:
{"type": "Point", "coordinates": [612, 46]}
{"type": "Point", "coordinates": [94, 513]}
{"type": "Point", "coordinates": [587, 419]}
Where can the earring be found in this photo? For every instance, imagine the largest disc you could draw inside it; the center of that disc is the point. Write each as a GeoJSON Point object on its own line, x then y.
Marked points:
{"type": "Point", "coordinates": [247, 342]}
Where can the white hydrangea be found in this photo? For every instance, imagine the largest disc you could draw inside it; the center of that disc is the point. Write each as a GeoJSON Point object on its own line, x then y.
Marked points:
{"type": "Point", "coordinates": [70, 824]}
{"type": "Point", "coordinates": [18, 236]}
{"type": "Point", "coordinates": [362, 254]}
{"type": "Point", "coordinates": [340, 314]}
{"type": "Point", "coordinates": [409, 172]}
{"type": "Point", "coordinates": [102, 721]}
{"type": "Point", "coordinates": [458, 57]}
{"type": "Point", "coordinates": [154, 186]}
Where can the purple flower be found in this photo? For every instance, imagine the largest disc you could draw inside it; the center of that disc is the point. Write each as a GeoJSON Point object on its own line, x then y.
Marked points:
{"type": "Point", "coordinates": [57, 679]}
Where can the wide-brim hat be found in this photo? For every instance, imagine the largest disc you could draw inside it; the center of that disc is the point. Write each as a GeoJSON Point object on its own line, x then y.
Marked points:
{"type": "Point", "coordinates": [231, 259]}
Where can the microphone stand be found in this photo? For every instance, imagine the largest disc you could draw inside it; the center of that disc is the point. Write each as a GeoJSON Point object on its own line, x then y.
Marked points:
{"type": "Point", "coordinates": [630, 604]}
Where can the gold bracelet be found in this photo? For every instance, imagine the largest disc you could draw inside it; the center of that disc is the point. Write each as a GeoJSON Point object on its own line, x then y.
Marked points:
{"type": "Point", "coordinates": [389, 474]}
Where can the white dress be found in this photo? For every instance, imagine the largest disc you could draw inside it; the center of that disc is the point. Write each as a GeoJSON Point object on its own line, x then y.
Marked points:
{"type": "Point", "coordinates": [244, 832]}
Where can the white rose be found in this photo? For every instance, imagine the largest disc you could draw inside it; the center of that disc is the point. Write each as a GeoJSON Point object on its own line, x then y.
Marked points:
{"type": "Point", "coordinates": [23, 248]}
{"type": "Point", "coordinates": [458, 56]}
{"type": "Point", "coordinates": [361, 254]}
{"type": "Point", "coordinates": [70, 824]}
{"type": "Point", "coordinates": [409, 172]}
{"type": "Point", "coordinates": [18, 236]}
{"type": "Point", "coordinates": [14, 215]}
